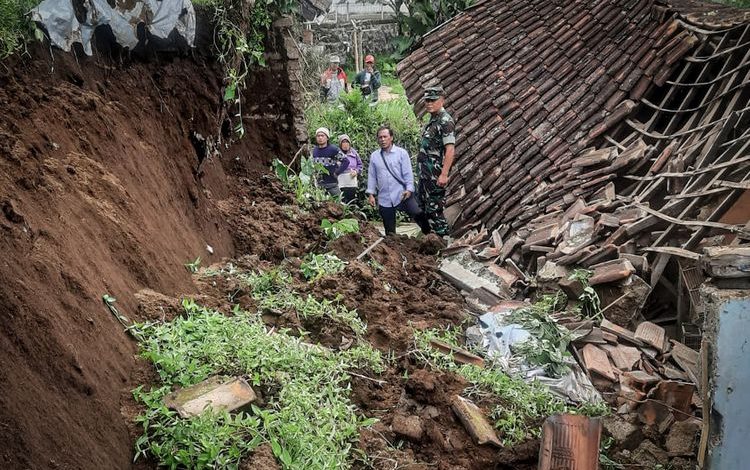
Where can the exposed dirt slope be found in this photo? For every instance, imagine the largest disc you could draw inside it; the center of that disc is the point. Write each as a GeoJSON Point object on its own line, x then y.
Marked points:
{"type": "Point", "coordinates": [99, 195]}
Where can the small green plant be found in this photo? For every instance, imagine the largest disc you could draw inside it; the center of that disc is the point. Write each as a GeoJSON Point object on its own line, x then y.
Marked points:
{"type": "Point", "coordinates": [273, 291]}
{"type": "Point", "coordinates": [309, 307]}
{"type": "Point", "coordinates": [590, 304]}
{"type": "Point", "coordinates": [335, 230]}
{"type": "Point", "coordinates": [549, 341]}
{"type": "Point", "coordinates": [16, 28]}
{"type": "Point", "coordinates": [193, 266]}
{"type": "Point", "coordinates": [302, 184]}
{"type": "Point", "coordinates": [605, 462]}
{"type": "Point", "coordinates": [267, 282]}
{"type": "Point", "coordinates": [315, 266]}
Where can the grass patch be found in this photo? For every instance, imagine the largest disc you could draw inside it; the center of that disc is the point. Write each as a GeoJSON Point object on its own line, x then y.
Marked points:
{"type": "Point", "coordinates": [314, 266]}
{"type": "Point", "coordinates": [310, 422]}
{"type": "Point", "coordinates": [15, 25]}
{"type": "Point", "coordinates": [273, 291]}
{"type": "Point", "coordinates": [522, 405]}
{"type": "Point", "coordinates": [361, 121]}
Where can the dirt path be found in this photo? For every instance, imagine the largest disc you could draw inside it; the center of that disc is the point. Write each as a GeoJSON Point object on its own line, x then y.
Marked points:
{"type": "Point", "coordinates": [385, 93]}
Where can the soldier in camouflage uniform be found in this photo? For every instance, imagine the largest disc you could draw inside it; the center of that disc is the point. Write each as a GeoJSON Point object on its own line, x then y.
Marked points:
{"type": "Point", "coordinates": [435, 159]}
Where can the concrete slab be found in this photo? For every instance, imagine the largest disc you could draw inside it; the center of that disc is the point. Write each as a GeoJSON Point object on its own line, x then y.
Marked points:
{"type": "Point", "coordinates": [466, 280]}
{"type": "Point", "coordinates": [214, 393]}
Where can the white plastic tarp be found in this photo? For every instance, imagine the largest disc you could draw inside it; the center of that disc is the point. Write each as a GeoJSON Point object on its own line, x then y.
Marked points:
{"type": "Point", "coordinates": [497, 336]}
{"type": "Point", "coordinates": [160, 18]}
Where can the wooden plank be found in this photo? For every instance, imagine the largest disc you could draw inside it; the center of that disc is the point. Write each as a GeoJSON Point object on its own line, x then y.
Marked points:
{"type": "Point", "coordinates": [651, 334]}
{"type": "Point", "coordinates": [474, 421]}
{"type": "Point", "coordinates": [597, 361]}
{"type": "Point", "coordinates": [695, 223]}
{"type": "Point", "coordinates": [726, 261]}
{"type": "Point", "coordinates": [671, 250]}
{"type": "Point", "coordinates": [459, 355]}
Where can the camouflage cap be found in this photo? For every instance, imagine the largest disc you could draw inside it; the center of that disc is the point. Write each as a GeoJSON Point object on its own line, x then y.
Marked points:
{"type": "Point", "coordinates": [434, 92]}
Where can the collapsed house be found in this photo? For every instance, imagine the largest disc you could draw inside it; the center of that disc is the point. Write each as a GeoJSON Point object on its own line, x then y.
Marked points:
{"type": "Point", "coordinates": [611, 136]}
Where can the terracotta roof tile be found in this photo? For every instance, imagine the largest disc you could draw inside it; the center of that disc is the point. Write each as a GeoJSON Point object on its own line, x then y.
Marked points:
{"type": "Point", "coordinates": [544, 79]}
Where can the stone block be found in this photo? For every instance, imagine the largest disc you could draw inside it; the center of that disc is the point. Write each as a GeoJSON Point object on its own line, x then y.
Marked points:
{"type": "Point", "coordinates": [625, 434]}
{"type": "Point", "coordinates": [214, 393]}
{"type": "Point", "coordinates": [683, 437]}
{"type": "Point", "coordinates": [649, 455]}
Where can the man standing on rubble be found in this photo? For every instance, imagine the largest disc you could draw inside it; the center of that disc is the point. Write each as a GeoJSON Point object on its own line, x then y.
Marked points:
{"type": "Point", "coordinates": [435, 159]}
{"type": "Point", "coordinates": [390, 177]}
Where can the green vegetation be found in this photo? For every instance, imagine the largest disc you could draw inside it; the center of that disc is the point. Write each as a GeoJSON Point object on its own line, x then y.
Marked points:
{"type": "Point", "coordinates": [308, 419]}
{"type": "Point", "coordinates": [422, 16]}
{"type": "Point", "coordinates": [302, 184]}
{"type": "Point", "coordinates": [193, 266]}
{"type": "Point", "coordinates": [15, 25]}
{"type": "Point", "coordinates": [273, 291]}
{"type": "Point", "coordinates": [314, 266]}
{"type": "Point", "coordinates": [548, 345]}
{"type": "Point", "coordinates": [589, 302]}
{"type": "Point", "coordinates": [361, 121]}
{"type": "Point", "coordinates": [522, 405]}
{"type": "Point", "coordinates": [339, 228]}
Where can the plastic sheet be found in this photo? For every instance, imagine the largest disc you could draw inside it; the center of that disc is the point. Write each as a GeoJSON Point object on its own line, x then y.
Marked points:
{"type": "Point", "coordinates": [498, 338]}
{"type": "Point", "coordinates": [159, 17]}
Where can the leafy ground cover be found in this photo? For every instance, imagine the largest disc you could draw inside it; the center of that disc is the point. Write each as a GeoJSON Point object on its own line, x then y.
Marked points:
{"type": "Point", "coordinates": [517, 407]}
{"type": "Point", "coordinates": [307, 419]}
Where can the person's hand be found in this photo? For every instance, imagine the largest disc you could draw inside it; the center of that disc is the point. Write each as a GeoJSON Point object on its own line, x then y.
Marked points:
{"type": "Point", "coordinates": [353, 173]}
{"type": "Point", "coordinates": [371, 200]}
{"type": "Point", "coordinates": [405, 195]}
{"type": "Point", "coordinates": [442, 180]}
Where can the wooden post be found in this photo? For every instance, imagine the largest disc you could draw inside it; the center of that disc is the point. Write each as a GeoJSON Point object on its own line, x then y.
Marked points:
{"type": "Point", "coordinates": [356, 50]}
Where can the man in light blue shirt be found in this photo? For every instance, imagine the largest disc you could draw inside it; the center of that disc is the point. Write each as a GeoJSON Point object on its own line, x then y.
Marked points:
{"type": "Point", "coordinates": [390, 177]}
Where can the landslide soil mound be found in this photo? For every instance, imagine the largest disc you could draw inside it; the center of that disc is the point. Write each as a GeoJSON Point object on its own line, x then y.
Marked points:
{"type": "Point", "coordinates": [99, 194]}
{"type": "Point", "coordinates": [396, 290]}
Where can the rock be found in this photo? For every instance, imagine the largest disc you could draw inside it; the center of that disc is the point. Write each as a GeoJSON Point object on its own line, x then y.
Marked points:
{"type": "Point", "coordinates": [213, 393]}
{"type": "Point", "coordinates": [682, 437]}
{"type": "Point", "coordinates": [552, 272]}
{"type": "Point", "coordinates": [573, 288]}
{"type": "Point", "coordinates": [649, 455]}
{"type": "Point", "coordinates": [431, 244]}
{"type": "Point", "coordinates": [681, 463]}
{"type": "Point", "coordinates": [409, 427]}
{"type": "Point", "coordinates": [625, 434]}
{"type": "Point", "coordinates": [623, 300]}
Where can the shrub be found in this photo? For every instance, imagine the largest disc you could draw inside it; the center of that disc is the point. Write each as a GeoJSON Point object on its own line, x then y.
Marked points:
{"type": "Point", "coordinates": [15, 26]}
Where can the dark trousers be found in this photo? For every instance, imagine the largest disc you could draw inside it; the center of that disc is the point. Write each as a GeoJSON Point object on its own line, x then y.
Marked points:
{"type": "Point", "coordinates": [348, 195]}
{"type": "Point", "coordinates": [409, 206]}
